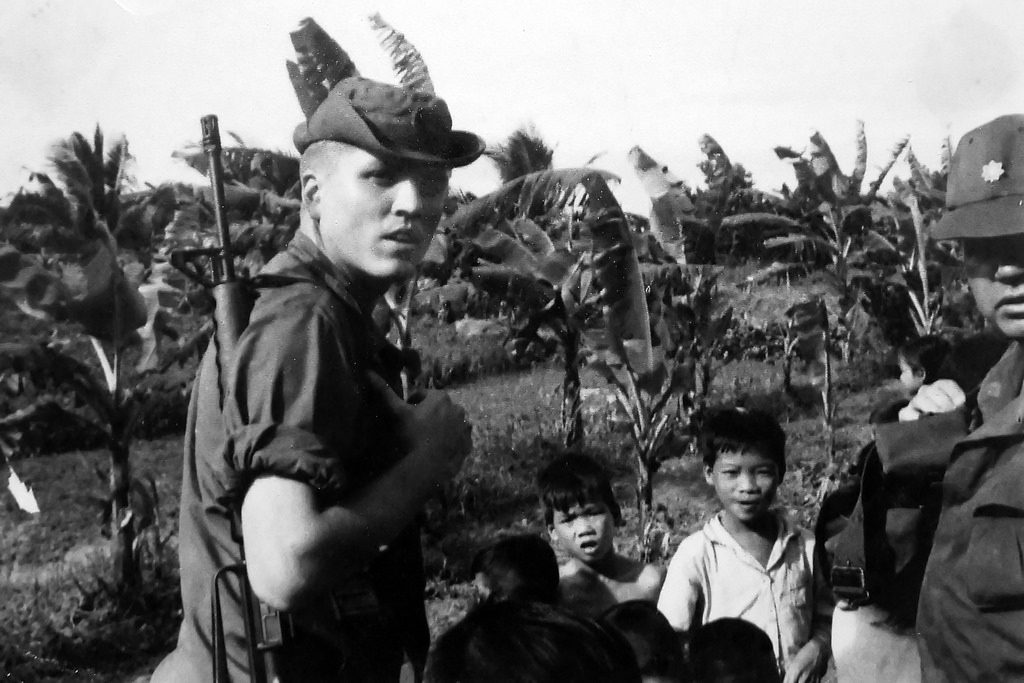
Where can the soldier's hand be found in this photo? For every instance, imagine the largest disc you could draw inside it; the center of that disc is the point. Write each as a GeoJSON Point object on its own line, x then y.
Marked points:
{"type": "Point", "coordinates": [433, 427]}
{"type": "Point", "coordinates": [942, 396]}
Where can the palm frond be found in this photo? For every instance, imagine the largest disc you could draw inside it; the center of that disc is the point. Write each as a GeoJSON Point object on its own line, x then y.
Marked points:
{"type": "Point", "coordinates": [320, 64]}
{"type": "Point", "coordinates": [406, 60]}
{"type": "Point", "coordinates": [72, 173]}
{"type": "Point", "coordinates": [524, 152]}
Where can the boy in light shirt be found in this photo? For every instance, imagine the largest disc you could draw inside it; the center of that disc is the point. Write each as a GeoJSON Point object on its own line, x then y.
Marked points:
{"type": "Point", "coordinates": [749, 561]}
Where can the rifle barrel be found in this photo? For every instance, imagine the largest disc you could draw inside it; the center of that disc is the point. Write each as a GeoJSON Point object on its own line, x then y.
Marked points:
{"type": "Point", "coordinates": [212, 147]}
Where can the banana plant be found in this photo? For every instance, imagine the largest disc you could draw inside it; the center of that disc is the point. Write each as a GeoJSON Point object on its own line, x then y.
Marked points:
{"type": "Point", "coordinates": [123, 311]}
{"type": "Point", "coordinates": [569, 267]}
{"type": "Point", "coordinates": [834, 219]}
{"type": "Point", "coordinates": [807, 337]}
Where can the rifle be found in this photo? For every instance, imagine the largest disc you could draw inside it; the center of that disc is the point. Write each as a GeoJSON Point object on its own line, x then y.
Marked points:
{"type": "Point", "coordinates": [265, 627]}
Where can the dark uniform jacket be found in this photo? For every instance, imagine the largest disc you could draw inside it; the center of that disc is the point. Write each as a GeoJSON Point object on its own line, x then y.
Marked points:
{"type": "Point", "coordinates": [298, 406]}
{"type": "Point", "coordinates": [971, 615]}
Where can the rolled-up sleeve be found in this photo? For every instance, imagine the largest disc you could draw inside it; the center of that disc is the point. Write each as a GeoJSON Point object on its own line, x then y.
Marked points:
{"type": "Point", "coordinates": [292, 399]}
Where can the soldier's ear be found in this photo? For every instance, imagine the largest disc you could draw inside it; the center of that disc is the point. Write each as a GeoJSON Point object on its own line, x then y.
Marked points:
{"type": "Point", "coordinates": [311, 193]}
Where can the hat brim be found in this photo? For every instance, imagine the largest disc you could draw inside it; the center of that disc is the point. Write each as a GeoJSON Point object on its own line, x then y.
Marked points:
{"type": "Point", "coordinates": [346, 125]}
{"type": "Point", "coordinates": [996, 217]}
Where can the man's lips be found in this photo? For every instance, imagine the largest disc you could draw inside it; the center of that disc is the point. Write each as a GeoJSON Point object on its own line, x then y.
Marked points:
{"type": "Point", "coordinates": [1013, 304]}
{"type": "Point", "coordinates": [405, 236]}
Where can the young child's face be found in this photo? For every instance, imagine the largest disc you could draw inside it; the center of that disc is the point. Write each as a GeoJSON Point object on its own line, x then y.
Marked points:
{"type": "Point", "coordinates": [586, 532]}
{"type": "Point", "coordinates": [910, 378]}
{"type": "Point", "coordinates": [745, 483]}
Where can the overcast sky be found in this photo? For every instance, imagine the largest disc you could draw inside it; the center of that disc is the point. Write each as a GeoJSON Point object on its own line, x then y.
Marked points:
{"type": "Point", "coordinates": [595, 77]}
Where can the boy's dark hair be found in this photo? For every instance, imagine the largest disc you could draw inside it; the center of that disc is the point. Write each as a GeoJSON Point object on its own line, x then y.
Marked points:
{"type": "Point", "coordinates": [655, 644]}
{"type": "Point", "coordinates": [521, 642]}
{"type": "Point", "coordinates": [739, 430]}
{"type": "Point", "coordinates": [925, 354]}
{"type": "Point", "coordinates": [575, 479]}
{"type": "Point", "coordinates": [734, 650]}
{"type": "Point", "coordinates": [521, 567]}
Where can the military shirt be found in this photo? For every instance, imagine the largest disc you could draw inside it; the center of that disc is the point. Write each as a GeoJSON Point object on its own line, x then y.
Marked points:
{"type": "Point", "coordinates": [971, 614]}
{"type": "Point", "coordinates": [296, 404]}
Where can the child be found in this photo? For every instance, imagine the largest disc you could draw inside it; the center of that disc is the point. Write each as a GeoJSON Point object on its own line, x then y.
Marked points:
{"type": "Point", "coordinates": [659, 654]}
{"type": "Point", "coordinates": [520, 568]}
{"type": "Point", "coordinates": [750, 561]}
{"type": "Point", "coordinates": [920, 360]}
{"type": "Point", "coordinates": [581, 513]}
{"type": "Point", "coordinates": [521, 642]}
{"type": "Point", "coordinates": [732, 650]}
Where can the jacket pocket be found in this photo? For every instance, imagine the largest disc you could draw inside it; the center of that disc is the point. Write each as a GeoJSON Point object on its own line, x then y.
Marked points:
{"type": "Point", "coordinates": [994, 561]}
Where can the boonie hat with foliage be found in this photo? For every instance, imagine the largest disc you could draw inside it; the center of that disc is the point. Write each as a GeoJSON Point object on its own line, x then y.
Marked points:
{"type": "Point", "coordinates": [408, 122]}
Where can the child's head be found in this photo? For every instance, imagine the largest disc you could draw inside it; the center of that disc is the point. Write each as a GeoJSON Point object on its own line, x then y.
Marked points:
{"type": "Point", "coordinates": [656, 646]}
{"type": "Point", "coordinates": [579, 507]}
{"type": "Point", "coordinates": [529, 643]}
{"type": "Point", "coordinates": [920, 360]}
{"type": "Point", "coordinates": [732, 651]}
{"type": "Point", "coordinates": [520, 568]}
{"type": "Point", "coordinates": [744, 459]}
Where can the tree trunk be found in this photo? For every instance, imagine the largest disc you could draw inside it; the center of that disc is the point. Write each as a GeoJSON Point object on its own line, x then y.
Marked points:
{"type": "Point", "coordinates": [122, 528]}
{"type": "Point", "coordinates": [572, 414]}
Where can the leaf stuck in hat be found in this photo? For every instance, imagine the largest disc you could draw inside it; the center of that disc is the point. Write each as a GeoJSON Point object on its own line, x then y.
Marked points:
{"type": "Point", "coordinates": [407, 61]}
{"type": "Point", "coordinates": [320, 64]}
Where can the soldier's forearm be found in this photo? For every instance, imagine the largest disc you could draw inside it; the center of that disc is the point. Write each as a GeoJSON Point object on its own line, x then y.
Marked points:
{"type": "Point", "coordinates": [296, 551]}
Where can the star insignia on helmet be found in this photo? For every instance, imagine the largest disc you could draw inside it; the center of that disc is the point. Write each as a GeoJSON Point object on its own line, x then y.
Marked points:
{"type": "Point", "coordinates": [992, 171]}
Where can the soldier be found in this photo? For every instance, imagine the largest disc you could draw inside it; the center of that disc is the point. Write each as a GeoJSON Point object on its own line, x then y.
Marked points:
{"type": "Point", "coordinates": [328, 467]}
{"type": "Point", "coordinates": [971, 615]}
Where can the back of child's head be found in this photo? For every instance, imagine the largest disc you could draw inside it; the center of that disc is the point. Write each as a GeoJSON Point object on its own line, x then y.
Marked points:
{"type": "Point", "coordinates": [738, 430]}
{"type": "Point", "coordinates": [732, 650]}
{"type": "Point", "coordinates": [521, 642]}
{"type": "Point", "coordinates": [521, 567]}
{"type": "Point", "coordinates": [575, 479]}
{"type": "Point", "coordinates": [655, 644]}
{"type": "Point", "coordinates": [925, 356]}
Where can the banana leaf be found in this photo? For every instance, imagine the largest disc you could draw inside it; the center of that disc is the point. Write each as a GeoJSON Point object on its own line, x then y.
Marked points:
{"type": "Point", "coordinates": [860, 165]}
{"type": "Point", "coordinates": [894, 154]}
{"type": "Point", "coordinates": [801, 240]}
{"type": "Point", "coordinates": [655, 179]}
{"type": "Point", "coordinates": [532, 236]}
{"type": "Point", "coordinates": [531, 196]}
{"type": "Point", "coordinates": [31, 287]}
{"type": "Point", "coordinates": [320, 64]}
{"type": "Point", "coordinates": [762, 220]}
{"type": "Point", "coordinates": [617, 274]}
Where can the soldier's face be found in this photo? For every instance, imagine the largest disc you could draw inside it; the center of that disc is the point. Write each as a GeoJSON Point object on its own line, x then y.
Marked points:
{"type": "Point", "coordinates": [995, 273]}
{"type": "Point", "coordinates": [376, 216]}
